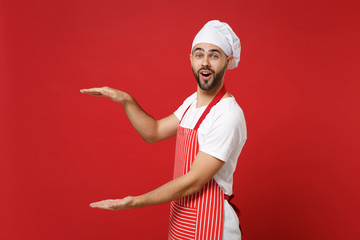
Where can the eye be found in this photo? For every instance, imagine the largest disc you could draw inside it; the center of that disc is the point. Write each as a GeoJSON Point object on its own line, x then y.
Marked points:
{"type": "Point", "coordinates": [214, 56]}
{"type": "Point", "coordinates": [198, 55]}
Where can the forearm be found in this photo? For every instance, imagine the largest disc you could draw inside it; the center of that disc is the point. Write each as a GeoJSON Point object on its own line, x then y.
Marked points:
{"type": "Point", "coordinates": [202, 170]}
{"type": "Point", "coordinates": [175, 189]}
{"type": "Point", "coordinates": [143, 123]}
{"type": "Point", "coordinates": [150, 129]}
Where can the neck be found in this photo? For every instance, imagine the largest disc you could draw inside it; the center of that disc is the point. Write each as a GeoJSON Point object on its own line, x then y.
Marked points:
{"type": "Point", "coordinates": [204, 97]}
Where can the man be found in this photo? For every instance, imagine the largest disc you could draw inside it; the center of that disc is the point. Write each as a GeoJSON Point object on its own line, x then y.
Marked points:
{"type": "Point", "coordinates": [211, 131]}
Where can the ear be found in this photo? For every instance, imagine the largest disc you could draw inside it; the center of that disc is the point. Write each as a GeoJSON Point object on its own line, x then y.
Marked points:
{"type": "Point", "coordinates": [190, 58]}
{"type": "Point", "coordinates": [230, 59]}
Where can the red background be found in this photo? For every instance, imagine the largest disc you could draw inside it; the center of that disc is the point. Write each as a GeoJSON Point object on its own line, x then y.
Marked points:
{"type": "Point", "coordinates": [297, 82]}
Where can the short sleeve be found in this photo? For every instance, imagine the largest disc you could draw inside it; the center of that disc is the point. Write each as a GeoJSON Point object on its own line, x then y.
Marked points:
{"type": "Point", "coordinates": [180, 111]}
{"type": "Point", "coordinates": [223, 136]}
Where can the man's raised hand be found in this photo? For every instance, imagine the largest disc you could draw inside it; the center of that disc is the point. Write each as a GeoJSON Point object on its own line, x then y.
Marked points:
{"type": "Point", "coordinates": [114, 94]}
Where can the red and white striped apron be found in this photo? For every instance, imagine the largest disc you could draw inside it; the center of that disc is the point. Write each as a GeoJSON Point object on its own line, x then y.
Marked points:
{"type": "Point", "coordinates": [198, 216]}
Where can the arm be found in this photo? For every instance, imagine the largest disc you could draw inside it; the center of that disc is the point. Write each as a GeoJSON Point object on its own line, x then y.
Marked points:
{"type": "Point", "coordinates": [150, 130]}
{"type": "Point", "coordinates": [203, 169]}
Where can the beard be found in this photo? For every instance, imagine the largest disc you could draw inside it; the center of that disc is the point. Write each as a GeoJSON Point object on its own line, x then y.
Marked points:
{"type": "Point", "coordinates": [212, 82]}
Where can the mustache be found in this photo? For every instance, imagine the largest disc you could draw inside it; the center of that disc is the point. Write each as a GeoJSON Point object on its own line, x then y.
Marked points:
{"type": "Point", "coordinates": [206, 68]}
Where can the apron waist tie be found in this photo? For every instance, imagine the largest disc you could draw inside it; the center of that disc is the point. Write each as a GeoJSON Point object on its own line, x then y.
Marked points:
{"type": "Point", "coordinates": [229, 198]}
{"type": "Point", "coordinates": [236, 209]}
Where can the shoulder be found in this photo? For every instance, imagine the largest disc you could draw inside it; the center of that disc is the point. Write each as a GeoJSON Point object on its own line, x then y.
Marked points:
{"type": "Point", "coordinates": [229, 111]}
{"type": "Point", "coordinates": [223, 131]}
{"type": "Point", "coordinates": [226, 118]}
{"type": "Point", "coordinates": [180, 111]}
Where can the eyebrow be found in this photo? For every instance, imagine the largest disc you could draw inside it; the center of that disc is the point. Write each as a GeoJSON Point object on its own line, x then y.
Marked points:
{"type": "Point", "coordinates": [198, 48]}
{"type": "Point", "coordinates": [211, 50]}
{"type": "Point", "coordinates": [214, 50]}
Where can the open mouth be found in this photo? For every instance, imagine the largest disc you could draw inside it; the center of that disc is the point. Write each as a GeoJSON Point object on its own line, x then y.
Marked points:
{"type": "Point", "coordinates": [206, 74]}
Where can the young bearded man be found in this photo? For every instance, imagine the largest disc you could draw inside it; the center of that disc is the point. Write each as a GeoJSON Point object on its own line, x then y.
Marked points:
{"type": "Point", "coordinates": [211, 132]}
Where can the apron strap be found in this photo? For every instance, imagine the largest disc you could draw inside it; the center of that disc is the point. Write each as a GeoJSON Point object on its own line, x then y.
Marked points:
{"type": "Point", "coordinates": [184, 113]}
{"type": "Point", "coordinates": [216, 99]}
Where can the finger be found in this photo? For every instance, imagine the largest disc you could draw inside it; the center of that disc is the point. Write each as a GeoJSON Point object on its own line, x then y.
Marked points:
{"type": "Point", "coordinates": [95, 92]}
{"type": "Point", "coordinates": [97, 89]}
{"type": "Point", "coordinates": [104, 204]}
{"type": "Point", "coordinates": [90, 92]}
{"type": "Point", "coordinates": [99, 205]}
{"type": "Point", "coordinates": [106, 92]}
{"type": "Point", "coordinates": [96, 204]}
{"type": "Point", "coordinates": [86, 90]}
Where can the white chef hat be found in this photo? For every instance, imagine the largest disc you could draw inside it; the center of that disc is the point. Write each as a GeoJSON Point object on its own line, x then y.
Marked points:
{"type": "Point", "coordinates": [221, 35]}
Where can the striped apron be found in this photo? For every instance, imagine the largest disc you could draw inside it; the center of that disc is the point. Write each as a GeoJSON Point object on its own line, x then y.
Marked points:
{"type": "Point", "coordinates": [198, 216]}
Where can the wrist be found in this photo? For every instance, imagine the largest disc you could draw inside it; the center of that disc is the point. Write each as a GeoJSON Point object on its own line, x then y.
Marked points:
{"type": "Point", "coordinates": [127, 98]}
{"type": "Point", "coordinates": [135, 203]}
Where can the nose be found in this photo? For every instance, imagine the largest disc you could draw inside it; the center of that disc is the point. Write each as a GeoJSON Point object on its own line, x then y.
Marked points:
{"type": "Point", "coordinates": [205, 61]}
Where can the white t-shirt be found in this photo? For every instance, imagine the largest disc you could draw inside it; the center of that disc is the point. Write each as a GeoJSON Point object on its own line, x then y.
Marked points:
{"type": "Point", "coordinates": [222, 134]}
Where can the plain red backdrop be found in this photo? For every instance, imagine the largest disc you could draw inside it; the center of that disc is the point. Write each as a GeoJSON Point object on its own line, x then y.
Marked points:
{"type": "Point", "coordinates": [297, 82]}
